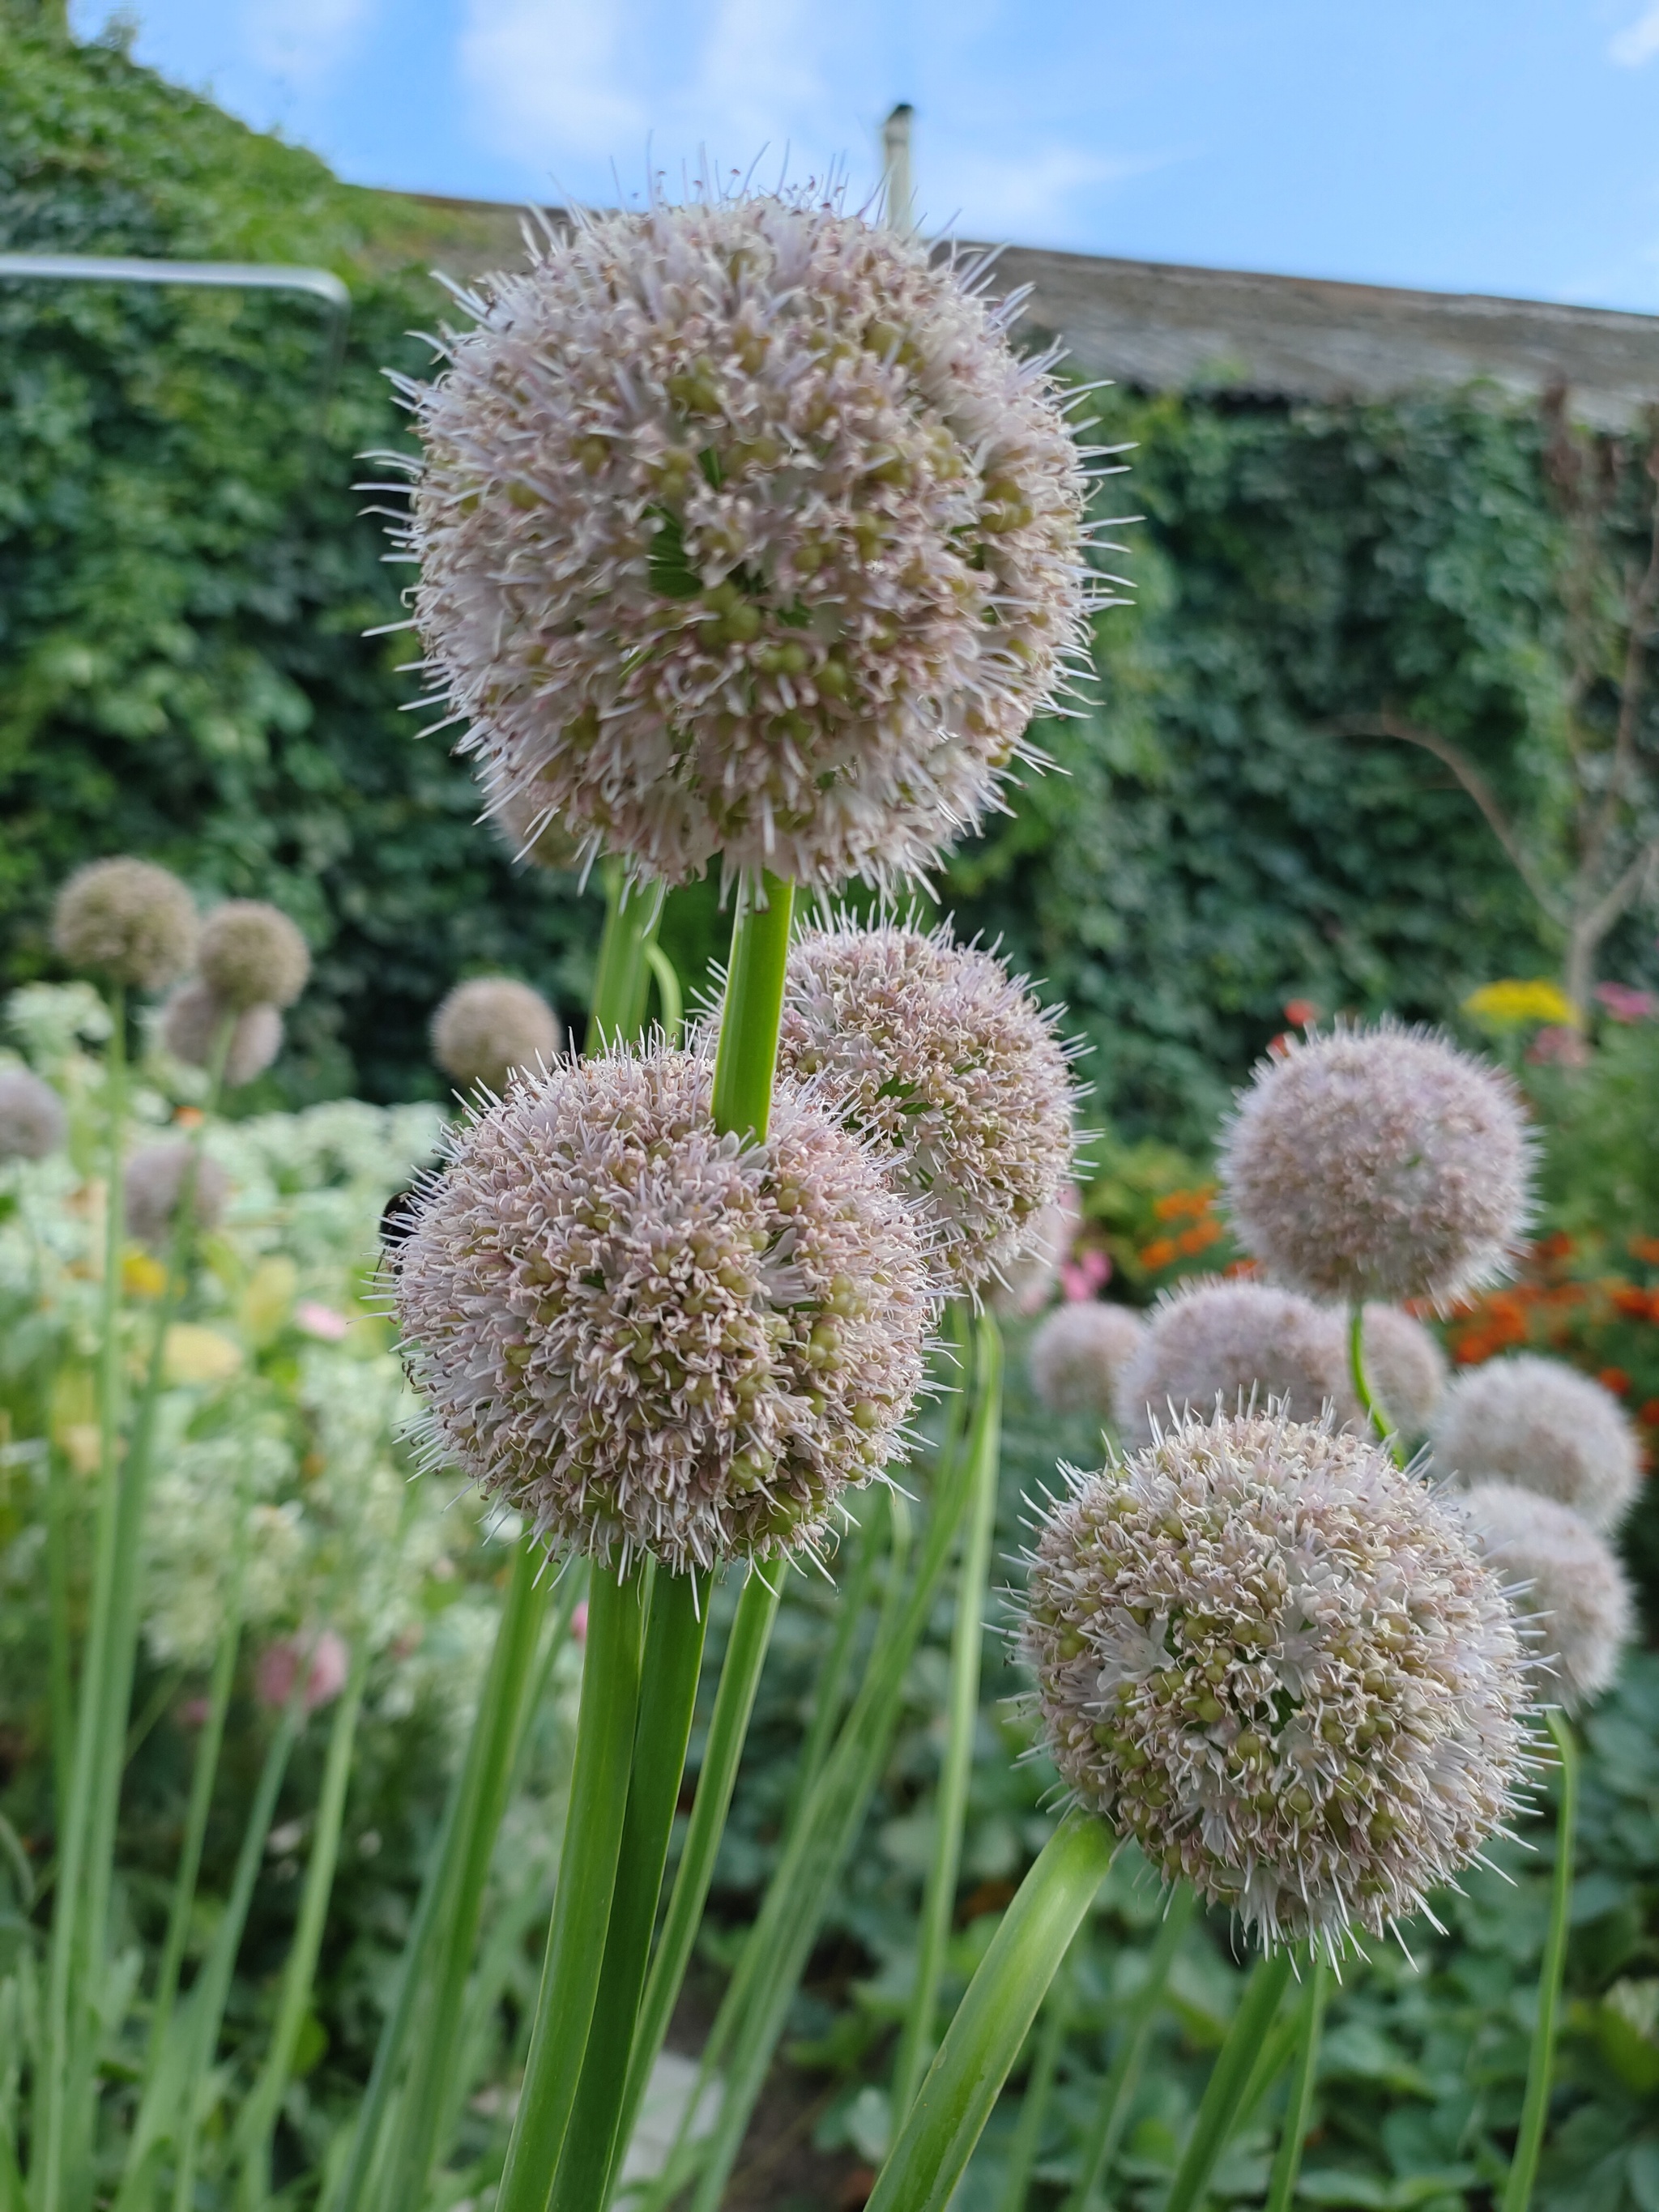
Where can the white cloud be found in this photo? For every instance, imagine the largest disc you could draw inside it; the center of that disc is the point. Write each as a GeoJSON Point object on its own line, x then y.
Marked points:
{"type": "Point", "coordinates": [1638, 42]}
{"type": "Point", "coordinates": [551, 77]}
{"type": "Point", "coordinates": [303, 41]}
{"type": "Point", "coordinates": [1028, 198]}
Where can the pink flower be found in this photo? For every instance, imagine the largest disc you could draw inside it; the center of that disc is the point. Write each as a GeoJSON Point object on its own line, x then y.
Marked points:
{"type": "Point", "coordinates": [1622, 1002]}
{"type": "Point", "coordinates": [320, 1321]}
{"type": "Point", "coordinates": [579, 1622]}
{"type": "Point", "coordinates": [1088, 1272]}
{"type": "Point", "coordinates": [279, 1664]}
{"type": "Point", "coordinates": [1557, 1046]}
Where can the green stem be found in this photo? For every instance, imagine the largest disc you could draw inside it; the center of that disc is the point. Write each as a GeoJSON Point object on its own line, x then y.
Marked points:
{"type": "Point", "coordinates": [622, 974]}
{"type": "Point", "coordinates": [1540, 2067]}
{"type": "Point", "coordinates": [747, 1055]}
{"type": "Point", "coordinates": [675, 1628]}
{"type": "Point", "coordinates": [258, 2118]}
{"type": "Point", "coordinates": [961, 1709]}
{"type": "Point", "coordinates": [64, 2077]}
{"type": "Point", "coordinates": [1039, 2091]}
{"type": "Point", "coordinates": [831, 1682]}
{"type": "Point", "coordinates": [734, 1701]}
{"type": "Point", "coordinates": [203, 1775]}
{"type": "Point", "coordinates": [670, 1000]}
{"type": "Point", "coordinates": [1230, 2080]}
{"type": "Point", "coordinates": [1287, 2166]}
{"type": "Point", "coordinates": [587, 1873]}
{"type": "Point", "coordinates": [1123, 2078]}
{"type": "Point", "coordinates": [62, 1671]}
{"type": "Point", "coordinates": [993, 2019]}
{"type": "Point", "coordinates": [1375, 1410]}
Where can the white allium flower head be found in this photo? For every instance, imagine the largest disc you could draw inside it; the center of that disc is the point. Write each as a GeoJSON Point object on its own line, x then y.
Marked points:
{"type": "Point", "coordinates": [190, 1023]}
{"type": "Point", "coordinates": [525, 821]}
{"type": "Point", "coordinates": [950, 1065]}
{"type": "Point", "coordinates": [1541, 1424]}
{"type": "Point", "coordinates": [154, 1186]}
{"type": "Point", "coordinates": [1223, 1343]}
{"type": "Point", "coordinates": [1378, 1164]}
{"type": "Point", "coordinates": [491, 1028]}
{"type": "Point", "coordinates": [127, 920]}
{"type": "Point", "coordinates": [252, 954]}
{"type": "Point", "coordinates": [646, 1338]}
{"type": "Point", "coordinates": [1280, 1664]}
{"type": "Point", "coordinates": [1078, 1353]}
{"type": "Point", "coordinates": [33, 1122]}
{"type": "Point", "coordinates": [1404, 1365]}
{"type": "Point", "coordinates": [742, 529]}
{"type": "Point", "coordinates": [1560, 1573]}
{"type": "Point", "coordinates": [1028, 1282]}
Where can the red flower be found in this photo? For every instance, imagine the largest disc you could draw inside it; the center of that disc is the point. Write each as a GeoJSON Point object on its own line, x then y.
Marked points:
{"type": "Point", "coordinates": [1614, 1379]}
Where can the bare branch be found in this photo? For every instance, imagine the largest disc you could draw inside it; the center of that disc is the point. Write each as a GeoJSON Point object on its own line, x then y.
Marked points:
{"type": "Point", "coordinates": [1623, 893]}
{"type": "Point", "coordinates": [1431, 741]}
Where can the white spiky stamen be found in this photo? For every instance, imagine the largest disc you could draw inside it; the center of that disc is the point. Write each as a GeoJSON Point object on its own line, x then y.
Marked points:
{"type": "Point", "coordinates": [1279, 1662]}
{"type": "Point", "coordinates": [1209, 1343]}
{"type": "Point", "coordinates": [1562, 1575]}
{"type": "Point", "coordinates": [648, 1338]}
{"type": "Point", "coordinates": [742, 530]}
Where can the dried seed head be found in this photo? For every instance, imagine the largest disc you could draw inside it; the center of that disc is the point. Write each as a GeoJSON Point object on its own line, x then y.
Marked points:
{"type": "Point", "coordinates": [949, 1064]}
{"type": "Point", "coordinates": [647, 1339]}
{"type": "Point", "coordinates": [741, 528]}
{"type": "Point", "coordinates": [489, 1029]}
{"type": "Point", "coordinates": [191, 1024]}
{"type": "Point", "coordinates": [1378, 1164]}
{"type": "Point", "coordinates": [33, 1122]}
{"type": "Point", "coordinates": [1223, 1344]}
{"type": "Point", "coordinates": [154, 1186]}
{"type": "Point", "coordinates": [1279, 1663]}
{"type": "Point", "coordinates": [127, 920]}
{"type": "Point", "coordinates": [1404, 1365]}
{"type": "Point", "coordinates": [252, 954]}
{"type": "Point", "coordinates": [1540, 1425]}
{"type": "Point", "coordinates": [1080, 1352]}
{"type": "Point", "coordinates": [1561, 1574]}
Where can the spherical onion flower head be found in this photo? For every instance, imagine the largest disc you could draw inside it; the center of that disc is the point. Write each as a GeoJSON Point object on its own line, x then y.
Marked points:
{"type": "Point", "coordinates": [33, 1122]}
{"type": "Point", "coordinates": [489, 1029]}
{"type": "Point", "coordinates": [646, 1338]}
{"type": "Point", "coordinates": [193, 1019]}
{"type": "Point", "coordinates": [1078, 1353]}
{"type": "Point", "coordinates": [742, 530]}
{"type": "Point", "coordinates": [127, 920]}
{"type": "Point", "coordinates": [155, 1179]}
{"type": "Point", "coordinates": [1378, 1164]}
{"type": "Point", "coordinates": [1278, 1661]}
{"type": "Point", "coordinates": [1561, 1574]}
{"type": "Point", "coordinates": [528, 826]}
{"type": "Point", "coordinates": [1540, 1424]}
{"type": "Point", "coordinates": [950, 1065]}
{"type": "Point", "coordinates": [1227, 1343]}
{"type": "Point", "coordinates": [252, 954]}
{"type": "Point", "coordinates": [1028, 1282]}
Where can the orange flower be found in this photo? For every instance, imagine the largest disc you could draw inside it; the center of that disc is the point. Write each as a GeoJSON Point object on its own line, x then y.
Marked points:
{"type": "Point", "coordinates": [1645, 1247]}
{"type": "Point", "coordinates": [1159, 1252]}
{"type": "Point", "coordinates": [1614, 1379]}
{"type": "Point", "coordinates": [1175, 1204]}
{"type": "Point", "coordinates": [1649, 1413]}
{"type": "Point", "coordinates": [1556, 1246]}
{"type": "Point", "coordinates": [1199, 1237]}
{"type": "Point", "coordinates": [1636, 1303]}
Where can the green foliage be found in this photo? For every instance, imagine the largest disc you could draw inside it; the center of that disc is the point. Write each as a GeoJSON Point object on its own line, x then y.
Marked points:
{"type": "Point", "coordinates": [1218, 847]}
{"type": "Point", "coordinates": [186, 573]}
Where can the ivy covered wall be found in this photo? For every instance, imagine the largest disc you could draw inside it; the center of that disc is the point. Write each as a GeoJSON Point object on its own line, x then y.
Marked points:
{"type": "Point", "coordinates": [185, 578]}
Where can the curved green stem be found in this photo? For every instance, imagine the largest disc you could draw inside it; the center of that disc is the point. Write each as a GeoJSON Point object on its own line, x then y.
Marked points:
{"type": "Point", "coordinates": [622, 974]}
{"type": "Point", "coordinates": [1372, 1407]}
{"type": "Point", "coordinates": [671, 1000]}
{"type": "Point", "coordinates": [747, 1055]}
{"type": "Point", "coordinates": [1118, 2091]}
{"type": "Point", "coordinates": [64, 2080]}
{"type": "Point", "coordinates": [993, 2019]}
{"type": "Point", "coordinates": [734, 1701]}
{"type": "Point", "coordinates": [1287, 2166]}
{"type": "Point", "coordinates": [257, 2121]}
{"type": "Point", "coordinates": [1540, 2067]}
{"type": "Point", "coordinates": [1231, 2078]}
{"type": "Point", "coordinates": [587, 1875]}
{"type": "Point", "coordinates": [961, 1709]}
{"type": "Point", "coordinates": [1039, 2092]}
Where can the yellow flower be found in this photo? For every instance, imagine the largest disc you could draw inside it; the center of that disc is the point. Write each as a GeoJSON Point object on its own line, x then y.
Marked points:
{"type": "Point", "coordinates": [143, 1276]}
{"type": "Point", "coordinates": [1519, 1004]}
{"type": "Point", "coordinates": [194, 1354]}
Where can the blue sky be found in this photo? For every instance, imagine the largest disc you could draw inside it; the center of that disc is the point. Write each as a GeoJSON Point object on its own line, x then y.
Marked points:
{"type": "Point", "coordinates": [1507, 146]}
